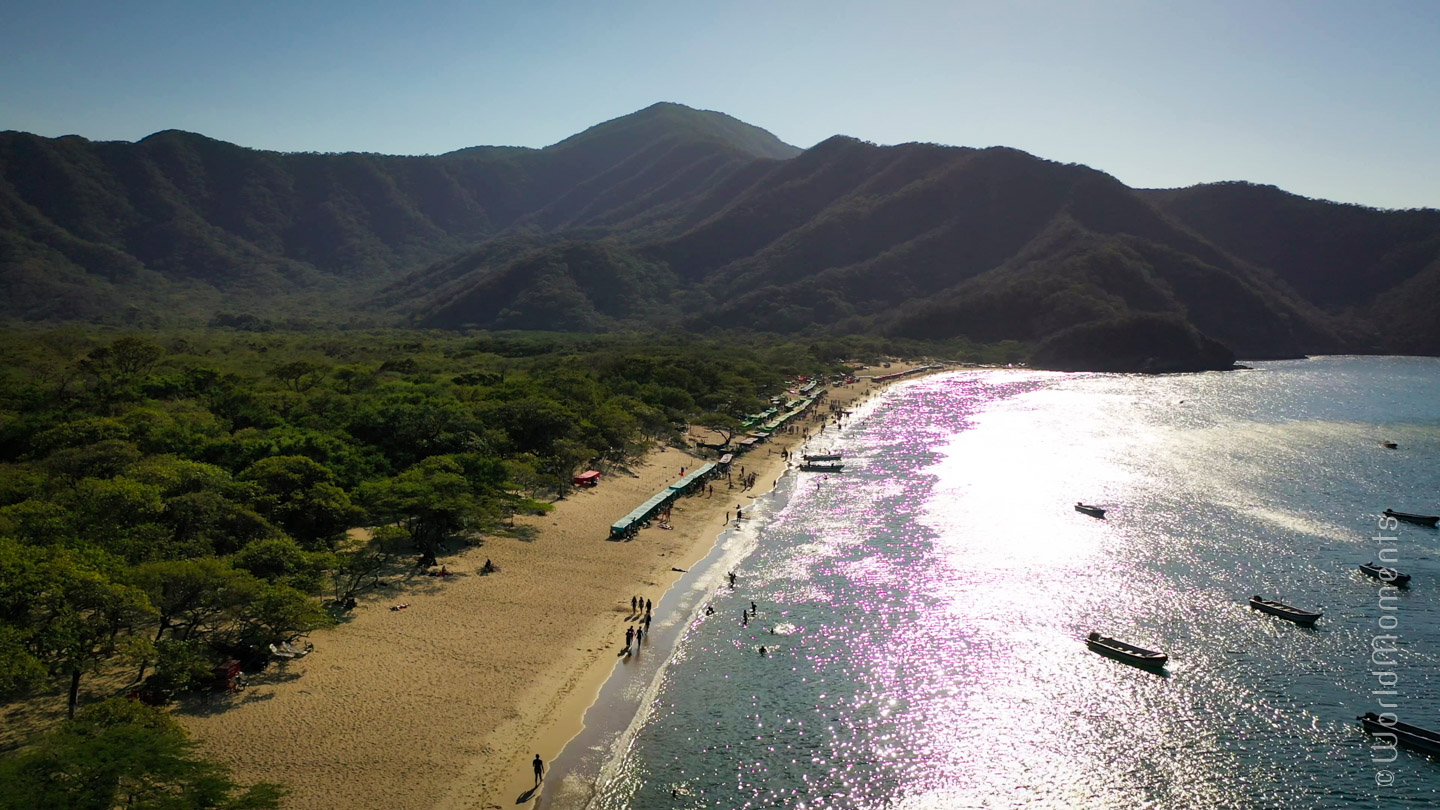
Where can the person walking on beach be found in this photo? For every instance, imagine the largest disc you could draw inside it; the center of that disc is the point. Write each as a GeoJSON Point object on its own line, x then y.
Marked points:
{"type": "Point", "coordinates": [647, 622]}
{"type": "Point", "coordinates": [629, 636]}
{"type": "Point", "coordinates": [647, 607]}
{"type": "Point", "coordinates": [639, 637]}
{"type": "Point", "coordinates": [633, 600]}
{"type": "Point", "coordinates": [539, 769]}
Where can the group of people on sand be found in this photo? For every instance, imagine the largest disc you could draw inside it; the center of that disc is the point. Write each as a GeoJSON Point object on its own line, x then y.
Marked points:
{"type": "Point", "coordinates": [635, 634]}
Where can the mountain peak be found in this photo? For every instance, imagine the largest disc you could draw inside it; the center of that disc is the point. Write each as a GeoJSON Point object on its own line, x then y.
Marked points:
{"type": "Point", "coordinates": [667, 119]}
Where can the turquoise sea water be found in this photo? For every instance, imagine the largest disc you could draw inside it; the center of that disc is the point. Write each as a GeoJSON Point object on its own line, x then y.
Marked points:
{"type": "Point", "coordinates": [929, 604]}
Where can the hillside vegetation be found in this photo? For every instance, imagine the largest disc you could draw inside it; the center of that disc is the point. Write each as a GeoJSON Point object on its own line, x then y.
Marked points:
{"type": "Point", "coordinates": [679, 218]}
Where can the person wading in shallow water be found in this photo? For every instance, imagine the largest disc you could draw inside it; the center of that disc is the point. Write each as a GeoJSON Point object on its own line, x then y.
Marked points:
{"type": "Point", "coordinates": [539, 769]}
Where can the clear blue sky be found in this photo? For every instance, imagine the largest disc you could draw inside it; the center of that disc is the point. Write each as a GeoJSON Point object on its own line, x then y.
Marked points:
{"type": "Point", "coordinates": [1339, 100]}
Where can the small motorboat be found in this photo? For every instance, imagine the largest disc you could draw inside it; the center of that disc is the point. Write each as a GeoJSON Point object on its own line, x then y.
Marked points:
{"type": "Point", "coordinates": [1286, 612]}
{"type": "Point", "coordinates": [1421, 739]}
{"type": "Point", "coordinates": [1390, 445]}
{"type": "Point", "coordinates": [1419, 520]}
{"type": "Point", "coordinates": [821, 457]}
{"type": "Point", "coordinates": [822, 467]}
{"type": "Point", "coordinates": [1092, 511]}
{"type": "Point", "coordinates": [1122, 651]}
{"type": "Point", "coordinates": [1388, 575]}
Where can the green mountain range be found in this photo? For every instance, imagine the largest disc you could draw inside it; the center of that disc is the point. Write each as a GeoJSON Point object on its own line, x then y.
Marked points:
{"type": "Point", "coordinates": [683, 218]}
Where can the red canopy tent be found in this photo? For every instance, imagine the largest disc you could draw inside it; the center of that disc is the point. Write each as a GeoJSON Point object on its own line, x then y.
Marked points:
{"type": "Point", "coordinates": [226, 675]}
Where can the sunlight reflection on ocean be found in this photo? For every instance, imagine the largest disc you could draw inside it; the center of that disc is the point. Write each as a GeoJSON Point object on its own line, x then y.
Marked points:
{"type": "Point", "coordinates": [932, 602]}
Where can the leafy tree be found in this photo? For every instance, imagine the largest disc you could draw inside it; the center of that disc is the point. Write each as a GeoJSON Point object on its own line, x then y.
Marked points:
{"type": "Point", "coordinates": [281, 560]}
{"type": "Point", "coordinates": [432, 501]}
{"type": "Point", "coordinates": [120, 753]}
{"type": "Point", "coordinates": [360, 568]}
{"type": "Point", "coordinates": [20, 671]}
{"type": "Point", "coordinates": [567, 458]}
{"type": "Point", "coordinates": [299, 375]}
{"type": "Point", "coordinates": [180, 666]}
{"type": "Point", "coordinates": [278, 613]}
{"type": "Point", "coordinates": [192, 596]}
{"type": "Point", "coordinates": [122, 362]}
{"type": "Point", "coordinates": [724, 424]}
{"type": "Point", "coordinates": [74, 617]}
{"type": "Point", "coordinates": [104, 459]}
{"type": "Point", "coordinates": [300, 495]}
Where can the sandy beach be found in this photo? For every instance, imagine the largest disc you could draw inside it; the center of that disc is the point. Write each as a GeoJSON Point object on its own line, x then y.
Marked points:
{"type": "Point", "coordinates": [443, 704]}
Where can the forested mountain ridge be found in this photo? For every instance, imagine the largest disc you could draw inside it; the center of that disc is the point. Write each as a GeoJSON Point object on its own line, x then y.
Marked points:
{"type": "Point", "coordinates": [1383, 266]}
{"type": "Point", "coordinates": [178, 220]}
{"type": "Point", "coordinates": [678, 217]}
{"type": "Point", "coordinates": [915, 240]}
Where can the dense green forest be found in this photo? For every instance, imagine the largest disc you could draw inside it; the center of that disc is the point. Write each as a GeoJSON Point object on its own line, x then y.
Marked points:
{"type": "Point", "coordinates": [678, 218]}
{"type": "Point", "coordinates": [171, 501]}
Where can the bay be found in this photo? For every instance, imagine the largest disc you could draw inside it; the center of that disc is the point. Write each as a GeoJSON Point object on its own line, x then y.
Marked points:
{"type": "Point", "coordinates": [928, 605]}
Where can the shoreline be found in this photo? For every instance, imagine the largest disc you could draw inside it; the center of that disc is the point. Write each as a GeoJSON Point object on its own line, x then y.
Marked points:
{"type": "Point", "coordinates": [444, 703]}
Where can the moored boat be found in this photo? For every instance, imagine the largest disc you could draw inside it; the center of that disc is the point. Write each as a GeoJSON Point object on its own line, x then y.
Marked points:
{"type": "Point", "coordinates": [1385, 574]}
{"type": "Point", "coordinates": [824, 466]}
{"type": "Point", "coordinates": [1421, 520]}
{"type": "Point", "coordinates": [1092, 511]}
{"type": "Point", "coordinates": [821, 457]}
{"type": "Point", "coordinates": [1283, 611]}
{"type": "Point", "coordinates": [1390, 445]}
{"type": "Point", "coordinates": [1124, 651]}
{"type": "Point", "coordinates": [1422, 739]}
